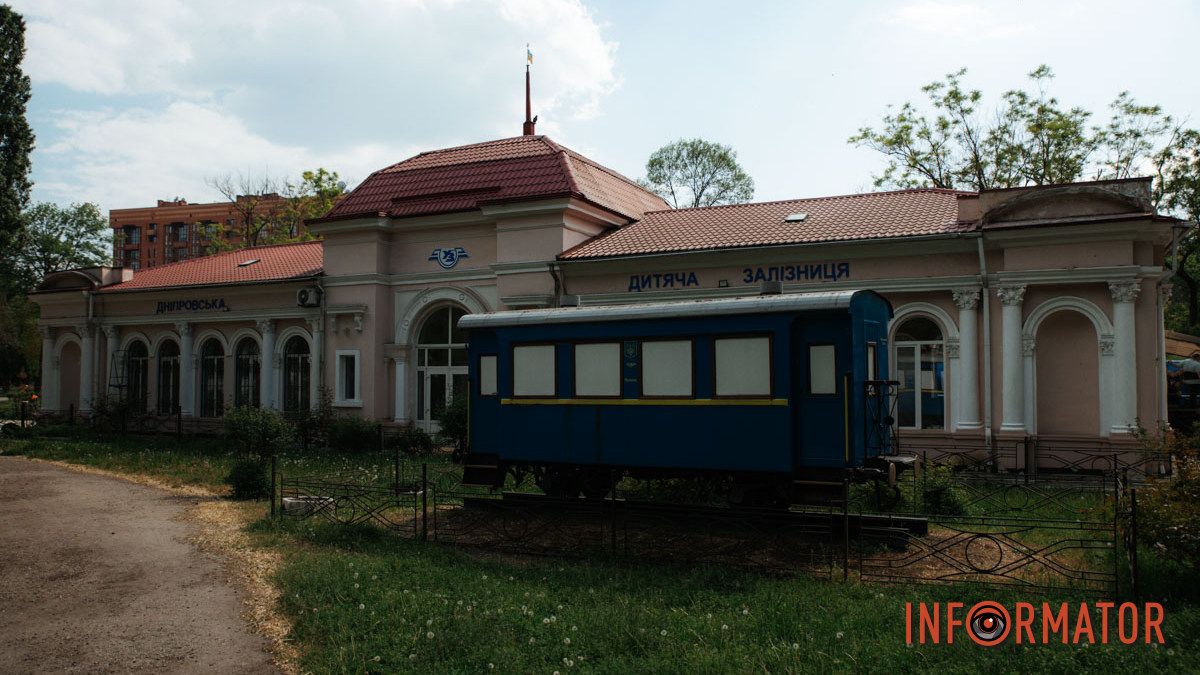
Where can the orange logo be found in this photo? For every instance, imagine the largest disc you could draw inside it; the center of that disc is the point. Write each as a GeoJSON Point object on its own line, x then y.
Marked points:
{"type": "Point", "coordinates": [988, 623]}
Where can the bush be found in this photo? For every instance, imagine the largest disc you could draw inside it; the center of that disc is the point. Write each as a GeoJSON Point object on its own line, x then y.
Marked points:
{"type": "Point", "coordinates": [454, 420]}
{"type": "Point", "coordinates": [257, 432]}
{"type": "Point", "coordinates": [249, 479]}
{"type": "Point", "coordinates": [411, 440]}
{"type": "Point", "coordinates": [940, 494]}
{"type": "Point", "coordinates": [1168, 516]}
{"type": "Point", "coordinates": [353, 435]}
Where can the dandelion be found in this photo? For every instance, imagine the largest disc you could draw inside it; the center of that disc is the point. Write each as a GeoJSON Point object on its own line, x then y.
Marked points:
{"type": "Point", "coordinates": [532, 641]}
{"type": "Point", "coordinates": [356, 585]}
{"type": "Point", "coordinates": [374, 577]}
{"type": "Point", "coordinates": [663, 632]}
{"type": "Point", "coordinates": [485, 579]}
{"type": "Point", "coordinates": [560, 608]}
{"type": "Point", "coordinates": [840, 634]}
{"type": "Point", "coordinates": [376, 659]}
{"type": "Point", "coordinates": [429, 635]}
{"type": "Point", "coordinates": [724, 626]}
{"type": "Point", "coordinates": [412, 657]}
{"type": "Point", "coordinates": [356, 575]}
{"type": "Point", "coordinates": [546, 620]}
{"type": "Point", "coordinates": [491, 666]}
{"type": "Point", "coordinates": [795, 645]}
{"type": "Point", "coordinates": [566, 641]}
{"type": "Point", "coordinates": [361, 606]}
{"type": "Point", "coordinates": [708, 616]}
{"type": "Point", "coordinates": [574, 628]}
{"type": "Point", "coordinates": [745, 611]}
{"type": "Point", "coordinates": [429, 622]}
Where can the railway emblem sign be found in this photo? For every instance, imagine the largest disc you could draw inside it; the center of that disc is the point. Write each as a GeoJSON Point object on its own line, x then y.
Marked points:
{"type": "Point", "coordinates": [448, 257]}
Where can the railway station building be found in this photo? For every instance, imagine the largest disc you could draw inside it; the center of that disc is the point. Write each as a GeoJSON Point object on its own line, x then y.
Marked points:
{"type": "Point", "coordinates": [1026, 312]}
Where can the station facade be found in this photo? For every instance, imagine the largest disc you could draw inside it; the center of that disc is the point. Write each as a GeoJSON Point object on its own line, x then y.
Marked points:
{"type": "Point", "coordinates": [1022, 312]}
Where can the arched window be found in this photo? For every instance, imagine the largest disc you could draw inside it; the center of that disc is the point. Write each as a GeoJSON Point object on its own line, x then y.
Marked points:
{"type": "Point", "coordinates": [296, 378]}
{"type": "Point", "coordinates": [168, 378]}
{"type": "Point", "coordinates": [441, 363]}
{"type": "Point", "coordinates": [921, 369]}
{"type": "Point", "coordinates": [212, 379]}
{"type": "Point", "coordinates": [247, 369]}
{"type": "Point", "coordinates": [137, 376]}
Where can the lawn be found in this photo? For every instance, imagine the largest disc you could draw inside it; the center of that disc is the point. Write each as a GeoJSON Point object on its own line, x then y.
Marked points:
{"type": "Point", "coordinates": [364, 601]}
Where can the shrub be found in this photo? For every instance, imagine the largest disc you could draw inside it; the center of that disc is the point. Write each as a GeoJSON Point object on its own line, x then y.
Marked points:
{"type": "Point", "coordinates": [353, 435]}
{"type": "Point", "coordinates": [411, 440]}
{"type": "Point", "coordinates": [454, 421]}
{"type": "Point", "coordinates": [940, 494]}
{"type": "Point", "coordinates": [257, 432]}
{"type": "Point", "coordinates": [249, 479]}
{"type": "Point", "coordinates": [312, 425]}
{"type": "Point", "coordinates": [1168, 516]}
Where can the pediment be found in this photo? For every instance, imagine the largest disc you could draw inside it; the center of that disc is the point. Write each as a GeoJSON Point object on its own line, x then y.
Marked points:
{"type": "Point", "coordinates": [1068, 201]}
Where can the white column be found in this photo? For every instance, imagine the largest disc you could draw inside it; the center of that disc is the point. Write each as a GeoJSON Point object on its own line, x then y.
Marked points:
{"type": "Point", "coordinates": [314, 364]}
{"type": "Point", "coordinates": [49, 388]}
{"type": "Point", "coordinates": [266, 388]}
{"type": "Point", "coordinates": [400, 412]}
{"type": "Point", "coordinates": [110, 348]}
{"type": "Point", "coordinates": [967, 389]}
{"type": "Point", "coordinates": [187, 370]}
{"type": "Point", "coordinates": [1013, 414]}
{"type": "Point", "coordinates": [1124, 295]}
{"type": "Point", "coordinates": [87, 367]}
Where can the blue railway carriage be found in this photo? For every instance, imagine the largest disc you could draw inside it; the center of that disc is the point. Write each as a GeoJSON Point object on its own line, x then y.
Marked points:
{"type": "Point", "coordinates": [768, 394]}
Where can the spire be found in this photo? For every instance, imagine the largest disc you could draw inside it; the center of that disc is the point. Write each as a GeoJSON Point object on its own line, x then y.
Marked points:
{"type": "Point", "coordinates": [527, 128]}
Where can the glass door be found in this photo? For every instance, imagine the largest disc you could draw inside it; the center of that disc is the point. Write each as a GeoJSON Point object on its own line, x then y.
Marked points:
{"type": "Point", "coordinates": [441, 365]}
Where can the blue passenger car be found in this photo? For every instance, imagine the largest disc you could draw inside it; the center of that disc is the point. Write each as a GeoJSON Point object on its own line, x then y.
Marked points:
{"type": "Point", "coordinates": [772, 391]}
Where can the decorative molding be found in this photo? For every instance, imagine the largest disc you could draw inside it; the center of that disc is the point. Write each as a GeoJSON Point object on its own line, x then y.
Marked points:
{"type": "Point", "coordinates": [356, 312]}
{"type": "Point", "coordinates": [1012, 296]}
{"type": "Point", "coordinates": [1124, 291]}
{"type": "Point", "coordinates": [110, 333]}
{"type": "Point", "coordinates": [966, 298]}
{"type": "Point", "coordinates": [265, 326]}
{"type": "Point", "coordinates": [952, 345]}
{"type": "Point", "coordinates": [1106, 343]}
{"type": "Point", "coordinates": [1028, 346]}
{"type": "Point", "coordinates": [85, 330]}
{"type": "Point", "coordinates": [183, 328]}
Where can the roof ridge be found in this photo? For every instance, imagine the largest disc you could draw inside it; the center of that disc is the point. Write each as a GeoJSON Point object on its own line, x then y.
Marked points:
{"type": "Point", "coordinates": [612, 172]}
{"type": "Point", "coordinates": [438, 151]}
{"type": "Point", "coordinates": [883, 193]}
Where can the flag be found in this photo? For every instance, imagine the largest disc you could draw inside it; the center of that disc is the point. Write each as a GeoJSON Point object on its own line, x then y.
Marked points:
{"type": "Point", "coordinates": [528, 54]}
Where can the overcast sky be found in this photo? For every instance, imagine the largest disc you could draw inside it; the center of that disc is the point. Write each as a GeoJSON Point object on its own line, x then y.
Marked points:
{"type": "Point", "coordinates": [137, 101]}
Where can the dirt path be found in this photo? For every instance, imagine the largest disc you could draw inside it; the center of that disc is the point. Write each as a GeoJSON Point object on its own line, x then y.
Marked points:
{"type": "Point", "coordinates": [97, 575]}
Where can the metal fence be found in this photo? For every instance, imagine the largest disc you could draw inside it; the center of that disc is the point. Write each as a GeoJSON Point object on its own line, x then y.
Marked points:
{"type": "Point", "coordinates": [938, 525]}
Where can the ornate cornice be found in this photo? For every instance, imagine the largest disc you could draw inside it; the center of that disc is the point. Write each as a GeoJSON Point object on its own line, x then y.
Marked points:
{"type": "Point", "coordinates": [1124, 291]}
{"type": "Point", "coordinates": [966, 298]}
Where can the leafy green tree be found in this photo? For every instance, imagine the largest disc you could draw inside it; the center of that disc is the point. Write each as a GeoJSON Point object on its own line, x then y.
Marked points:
{"type": "Point", "coordinates": [271, 211]}
{"type": "Point", "coordinates": [312, 197]}
{"type": "Point", "coordinates": [16, 138]}
{"type": "Point", "coordinates": [59, 238]}
{"type": "Point", "coordinates": [696, 172]}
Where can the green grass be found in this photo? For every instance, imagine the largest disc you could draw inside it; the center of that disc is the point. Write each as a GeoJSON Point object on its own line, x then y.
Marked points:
{"type": "Point", "coordinates": [363, 601]}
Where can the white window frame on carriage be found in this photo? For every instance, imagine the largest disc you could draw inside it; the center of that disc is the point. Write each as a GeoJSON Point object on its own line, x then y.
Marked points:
{"type": "Point", "coordinates": [340, 358]}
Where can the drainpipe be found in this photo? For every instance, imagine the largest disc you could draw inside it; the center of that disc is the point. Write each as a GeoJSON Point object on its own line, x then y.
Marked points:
{"type": "Point", "coordinates": [987, 343]}
{"type": "Point", "coordinates": [558, 284]}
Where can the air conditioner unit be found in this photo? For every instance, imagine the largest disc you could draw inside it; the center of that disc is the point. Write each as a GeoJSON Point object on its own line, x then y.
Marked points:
{"type": "Point", "coordinates": [309, 296]}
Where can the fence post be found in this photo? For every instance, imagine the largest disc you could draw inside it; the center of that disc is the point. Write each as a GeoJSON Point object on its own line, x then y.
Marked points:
{"type": "Point", "coordinates": [612, 482]}
{"type": "Point", "coordinates": [1131, 546]}
{"type": "Point", "coordinates": [273, 487]}
{"type": "Point", "coordinates": [424, 501]}
{"type": "Point", "coordinates": [845, 529]}
{"type": "Point", "coordinates": [396, 469]}
{"type": "Point", "coordinates": [23, 406]}
{"type": "Point", "coordinates": [178, 422]}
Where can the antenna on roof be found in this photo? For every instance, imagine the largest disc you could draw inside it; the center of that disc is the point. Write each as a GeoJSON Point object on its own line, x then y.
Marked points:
{"type": "Point", "coordinates": [530, 121]}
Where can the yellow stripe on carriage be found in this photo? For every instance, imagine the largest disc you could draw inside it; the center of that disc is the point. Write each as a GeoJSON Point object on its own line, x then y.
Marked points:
{"type": "Point", "coordinates": [647, 401]}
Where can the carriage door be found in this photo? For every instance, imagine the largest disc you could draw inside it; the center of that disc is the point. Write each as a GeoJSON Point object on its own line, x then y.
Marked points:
{"type": "Point", "coordinates": [819, 366]}
{"type": "Point", "coordinates": [441, 364]}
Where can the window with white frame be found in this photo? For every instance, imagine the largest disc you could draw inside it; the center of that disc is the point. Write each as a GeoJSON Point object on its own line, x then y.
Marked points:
{"type": "Point", "coordinates": [822, 369]}
{"type": "Point", "coordinates": [487, 375]}
{"type": "Point", "coordinates": [533, 370]}
{"type": "Point", "coordinates": [667, 368]}
{"type": "Point", "coordinates": [920, 367]}
{"type": "Point", "coordinates": [743, 366]}
{"type": "Point", "coordinates": [349, 382]}
{"type": "Point", "coordinates": [598, 369]}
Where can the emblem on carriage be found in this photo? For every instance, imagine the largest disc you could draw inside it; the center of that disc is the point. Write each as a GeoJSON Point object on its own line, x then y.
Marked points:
{"type": "Point", "coordinates": [448, 257]}
{"type": "Point", "coordinates": [631, 349]}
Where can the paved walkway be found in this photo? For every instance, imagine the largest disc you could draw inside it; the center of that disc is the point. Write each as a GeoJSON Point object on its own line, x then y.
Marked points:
{"type": "Point", "coordinates": [97, 575]}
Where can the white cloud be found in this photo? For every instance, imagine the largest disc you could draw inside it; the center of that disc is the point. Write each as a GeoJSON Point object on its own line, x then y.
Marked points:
{"type": "Point", "coordinates": [161, 94]}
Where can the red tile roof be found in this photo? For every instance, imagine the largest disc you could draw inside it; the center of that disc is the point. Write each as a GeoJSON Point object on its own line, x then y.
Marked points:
{"type": "Point", "coordinates": [275, 263]}
{"type": "Point", "coordinates": [510, 169]}
{"type": "Point", "coordinates": [875, 215]}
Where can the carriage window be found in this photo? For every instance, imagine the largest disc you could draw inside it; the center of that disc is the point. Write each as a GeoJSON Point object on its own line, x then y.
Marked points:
{"type": "Point", "coordinates": [822, 369]}
{"type": "Point", "coordinates": [598, 369]}
{"type": "Point", "coordinates": [533, 370]}
{"type": "Point", "coordinates": [743, 366]}
{"type": "Point", "coordinates": [667, 368]}
{"type": "Point", "coordinates": [872, 369]}
{"type": "Point", "coordinates": [487, 375]}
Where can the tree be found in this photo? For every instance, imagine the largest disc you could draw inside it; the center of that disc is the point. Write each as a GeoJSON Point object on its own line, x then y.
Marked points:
{"type": "Point", "coordinates": [59, 238]}
{"type": "Point", "coordinates": [696, 172]}
{"type": "Point", "coordinates": [271, 211]}
{"type": "Point", "coordinates": [312, 197]}
{"type": "Point", "coordinates": [16, 138]}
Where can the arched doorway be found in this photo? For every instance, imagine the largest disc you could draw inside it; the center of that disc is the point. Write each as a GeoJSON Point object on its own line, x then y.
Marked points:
{"type": "Point", "coordinates": [247, 369]}
{"type": "Point", "coordinates": [137, 376]}
{"type": "Point", "coordinates": [920, 367]}
{"type": "Point", "coordinates": [68, 376]}
{"type": "Point", "coordinates": [1067, 359]}
{"type": "Point", "coordinates": [168, 377]}
{"type": "Point", "coordinates": [441, 363]}
{"type": "Point", "coordinates": [212, 379]}
{"type": "Point", "coordinates": [296, 374]}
